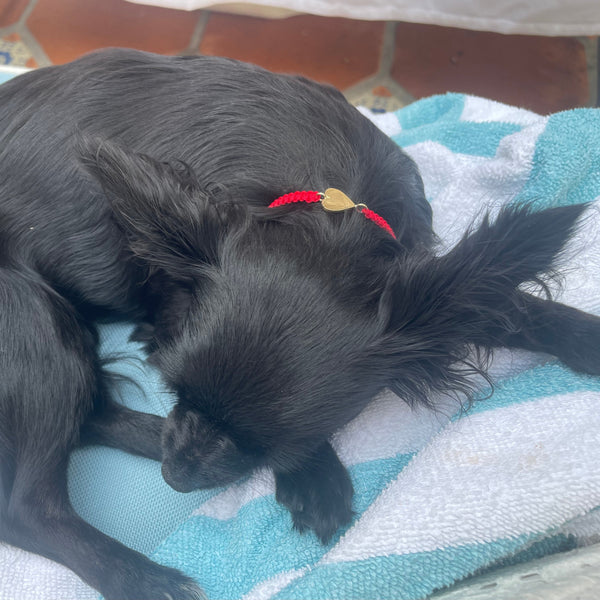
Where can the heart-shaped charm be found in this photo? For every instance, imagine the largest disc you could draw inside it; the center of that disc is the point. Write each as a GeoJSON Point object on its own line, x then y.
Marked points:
{"type": "Point", "coordinates": [335, 200]}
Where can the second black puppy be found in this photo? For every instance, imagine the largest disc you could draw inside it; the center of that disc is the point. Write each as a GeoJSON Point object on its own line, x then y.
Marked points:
{"type": "Point", "coordinates": [273, 325]}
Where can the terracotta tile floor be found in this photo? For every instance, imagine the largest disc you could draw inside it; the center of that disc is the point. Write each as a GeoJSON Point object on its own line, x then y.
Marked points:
{"type": "Point", "coordinates": [383, 65]}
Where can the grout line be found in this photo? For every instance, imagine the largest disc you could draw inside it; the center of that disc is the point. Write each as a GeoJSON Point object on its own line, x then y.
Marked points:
{"type": "Point", "coordinates": [8, 30]}
{"type": "Point", "coordinates": [384, 74]}
{"type": "Point", "coordinates": [362, 87]}
{"type": "Point", "coordinates": [36, 49]}
{"type": "Point", "coordinates": [198, 33]}
{"type": "Point", "coordinates": [386, 58]}
{"type": "Point", "coordinates": [388, 47]}
{"type": "Point", "coordinates": [593, 58]}
{"type": "Point", "coordinates": [387, 63]}
{"type": "Point", "coordinates": [398, 91]}
{"type": "Point", "coordinates": [27, 12]}
{"type": "Point", "coordinates": [592, 50]}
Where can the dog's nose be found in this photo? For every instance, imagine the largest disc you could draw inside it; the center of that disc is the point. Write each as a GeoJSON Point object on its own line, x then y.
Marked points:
{"type": "Point", "coordinates": [178, 480]}
{"type": "Point", "coordinates": [184, 478]}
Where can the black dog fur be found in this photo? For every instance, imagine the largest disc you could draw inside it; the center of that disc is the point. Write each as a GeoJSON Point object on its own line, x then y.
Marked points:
{"type": "Point", "coordinates": [274, 327]}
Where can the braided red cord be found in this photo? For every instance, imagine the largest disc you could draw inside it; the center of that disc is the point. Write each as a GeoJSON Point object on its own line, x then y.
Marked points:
{"type": "Point", "coordinates": [294, 197]}
{"type": "Point", "coordinates": [379, 220]}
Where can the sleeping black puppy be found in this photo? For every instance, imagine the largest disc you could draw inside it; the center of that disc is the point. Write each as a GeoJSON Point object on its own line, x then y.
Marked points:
{"type": "Point", "coordinates": [151, 188]}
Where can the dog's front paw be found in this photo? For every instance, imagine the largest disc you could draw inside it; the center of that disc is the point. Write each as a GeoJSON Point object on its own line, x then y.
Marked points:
{"type": "Point", "coordinates": [318, 495]}
{"type": "Point", "coordinates": [579, 349]}
{"type": "Point", "coordinates": [155, 583]}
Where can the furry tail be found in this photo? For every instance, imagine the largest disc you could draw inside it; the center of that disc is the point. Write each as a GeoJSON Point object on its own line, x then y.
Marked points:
{"type": "Point", "coordinates": [484, 268]}
{"type": "Point", "coordinates": [519, 245]}
{"type": "Point", "coordinates": [438, 308]}
{"type": "Point", "coordinates": [479, 278]}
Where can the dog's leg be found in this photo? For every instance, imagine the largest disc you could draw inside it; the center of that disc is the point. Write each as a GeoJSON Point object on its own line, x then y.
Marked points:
{"type": "Point", "coordinates": [542, 325]}
{"type": "Point", "coordinates": [318, 494]}
{"type": "Point", "coordinates": [41, 520]}
{"type": "Point", "coordinates": [51, 379]}
{"type": "Point", "coordinates": [129, 430]}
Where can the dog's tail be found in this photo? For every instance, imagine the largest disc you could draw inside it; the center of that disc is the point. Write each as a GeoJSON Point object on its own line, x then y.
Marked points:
{"type": "Point", "coordinates": [439, 308]}
{"type": "Point", "coordinates": [520, 245]}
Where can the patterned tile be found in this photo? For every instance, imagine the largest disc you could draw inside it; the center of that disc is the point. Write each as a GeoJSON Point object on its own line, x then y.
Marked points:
{"type": "Point", "coordinates": [379, 99]}
{"type": "Point", "coordinates": [14, 53]}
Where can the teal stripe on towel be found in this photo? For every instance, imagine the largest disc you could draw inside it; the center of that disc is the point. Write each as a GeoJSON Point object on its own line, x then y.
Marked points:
{"type": "Point", "coordinates": [256, 544]}
{"type": "Point", "coordinates": [401, 577]}
{"type": "Point", "coordinates": [437, 119]}
{"type": "Point", "coordinates": [546, 380]}
{"type": "Point", "coordinates": [566, 164]}
{"type": "Point", "coordinates": [122, 495]}
{"type": "Point", "coordinates": [429, 111]}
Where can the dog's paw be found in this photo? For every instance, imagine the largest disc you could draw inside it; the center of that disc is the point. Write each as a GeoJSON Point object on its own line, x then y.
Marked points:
{"type": "Point", "coordinates": [156, 583]}
{"type": "Point", "coordinates": [184, 590]}
{"type": "Point", "coordinates": [580, 348]}
{"type": "Point", "coordinates": [319, 496]}
{"type": "Point", "coordinates": [322, 505]}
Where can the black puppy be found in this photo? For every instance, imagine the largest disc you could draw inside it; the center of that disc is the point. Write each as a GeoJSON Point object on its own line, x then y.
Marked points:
{"type": "Point", "coordinates": [274, 326]}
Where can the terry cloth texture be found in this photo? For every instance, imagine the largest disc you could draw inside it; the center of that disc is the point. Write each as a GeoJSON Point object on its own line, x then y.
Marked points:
{"type": "Point", "coordinates": [439, 496]}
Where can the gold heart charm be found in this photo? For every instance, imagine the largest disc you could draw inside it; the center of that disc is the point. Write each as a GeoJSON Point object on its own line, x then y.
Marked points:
{"type": "Point", "coordinates": [335, 200]}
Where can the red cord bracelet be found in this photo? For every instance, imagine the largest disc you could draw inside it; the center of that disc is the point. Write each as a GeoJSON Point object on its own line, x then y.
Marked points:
{"type": "Point", "coordinates": [333, 200]}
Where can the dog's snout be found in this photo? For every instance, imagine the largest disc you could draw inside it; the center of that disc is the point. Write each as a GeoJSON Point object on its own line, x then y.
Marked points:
{"type": "Point", "coordinates": [196, 455]}
{"type": "Point", "coordinates": [186, 477]}
{"type": "Point", "coordinates": [174, 478]}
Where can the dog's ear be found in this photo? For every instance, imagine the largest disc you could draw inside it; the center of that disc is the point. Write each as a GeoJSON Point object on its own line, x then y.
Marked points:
{"type": "Point", "coordinates": [170, 220]}
{"type": "Point", "coordinates": [436, 309]}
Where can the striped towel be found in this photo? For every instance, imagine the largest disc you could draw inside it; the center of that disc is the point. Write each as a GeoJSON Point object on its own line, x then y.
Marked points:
{"type": "Point", "coordinates": [439, 496]}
